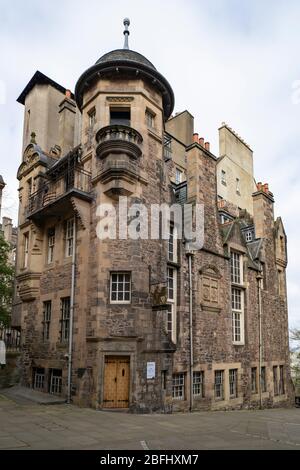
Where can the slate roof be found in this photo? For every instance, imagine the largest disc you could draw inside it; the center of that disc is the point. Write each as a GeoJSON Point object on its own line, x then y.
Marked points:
{"type": "Point", "coordinates": [125, 54]}
{"type": "Point", "coordinates": [40, 79]}
{"type": "Point", "coordinates": [131, 63]}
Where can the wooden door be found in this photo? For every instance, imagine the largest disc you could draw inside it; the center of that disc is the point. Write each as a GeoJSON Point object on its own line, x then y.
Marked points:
{"type": "Point", "coordinates": [116, 382]}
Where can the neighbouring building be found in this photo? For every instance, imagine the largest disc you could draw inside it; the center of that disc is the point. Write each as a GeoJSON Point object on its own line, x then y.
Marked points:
{"type": "Point", "coordinates": [147, 325]}
{"type": "Point", "coordinates": [8, 230]}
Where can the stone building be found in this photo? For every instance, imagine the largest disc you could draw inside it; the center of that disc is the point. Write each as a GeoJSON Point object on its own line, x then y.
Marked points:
{"type": "Point", "coordinates": [145, 324]}
{"type": "Point", "coordinates": [6, 227]}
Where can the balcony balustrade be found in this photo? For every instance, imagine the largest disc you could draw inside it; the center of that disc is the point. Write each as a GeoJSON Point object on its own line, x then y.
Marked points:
{"type": "Point", "coordinates": [119, 149]}
{"type": "Point", "coordinates": [119, 139]}
{"type": "Point", "coordinates": [73, 182]}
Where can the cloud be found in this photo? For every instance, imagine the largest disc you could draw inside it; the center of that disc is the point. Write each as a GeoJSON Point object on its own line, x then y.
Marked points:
{"type": "Point", "coordinates": [227, 60]}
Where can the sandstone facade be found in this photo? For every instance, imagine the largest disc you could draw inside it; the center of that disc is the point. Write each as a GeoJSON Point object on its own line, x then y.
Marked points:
{"type": "Point", "coordinates": [134, 351]}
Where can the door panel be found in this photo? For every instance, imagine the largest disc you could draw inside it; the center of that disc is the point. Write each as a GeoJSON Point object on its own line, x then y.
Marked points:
{"type": "Point", "coordinates": [116, 382]}
{"type": "Point", "coordinates": [123, 384]}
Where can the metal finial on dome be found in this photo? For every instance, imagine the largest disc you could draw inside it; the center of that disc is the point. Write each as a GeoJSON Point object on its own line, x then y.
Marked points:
{"type": "Point", "coordinates": [126, 23]}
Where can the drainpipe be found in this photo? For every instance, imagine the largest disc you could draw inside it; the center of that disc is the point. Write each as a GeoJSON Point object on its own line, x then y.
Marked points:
{"type": "Point", "coordinates": [70, 354]}
{"type": "Point", "coordinates": [259, 281]}
{"type": "Point", "coordinates": [191, 330]}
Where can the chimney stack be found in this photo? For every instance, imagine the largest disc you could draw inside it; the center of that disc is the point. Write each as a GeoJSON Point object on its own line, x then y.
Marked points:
{"type": "Point", "coordinates": [263, 210]}
{"type": "Point", "coordinates": [67, 116]}
{"type": "Point", "coordinates": [196, 138]}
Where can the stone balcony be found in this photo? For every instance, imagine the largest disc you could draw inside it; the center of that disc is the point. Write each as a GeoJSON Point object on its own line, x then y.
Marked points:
{"type": "Point", "coordinates": [119, 149]}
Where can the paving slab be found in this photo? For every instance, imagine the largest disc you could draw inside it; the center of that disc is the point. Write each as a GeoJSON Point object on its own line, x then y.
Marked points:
{"type": "Point", "coordinates": [26, 424]}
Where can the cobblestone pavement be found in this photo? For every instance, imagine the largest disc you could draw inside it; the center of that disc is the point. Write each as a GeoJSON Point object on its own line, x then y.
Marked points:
{"type": "Point", "coordinates": [27, 425]}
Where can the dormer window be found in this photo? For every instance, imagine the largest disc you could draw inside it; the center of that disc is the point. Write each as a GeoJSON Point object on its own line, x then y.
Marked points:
{"type": "Point", "coordinates": [120, 116]}
{"type": "Point", "coordinates": [249, 236]}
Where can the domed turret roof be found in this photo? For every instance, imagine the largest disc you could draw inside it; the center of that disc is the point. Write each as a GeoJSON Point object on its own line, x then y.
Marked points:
{"type": "Point", "coordinates": [125, 54]}
{"type": "Point", "coordinates": [130, 63]}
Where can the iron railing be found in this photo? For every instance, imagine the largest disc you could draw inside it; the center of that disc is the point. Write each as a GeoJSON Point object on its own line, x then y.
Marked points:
{"type": "Point", "coordinates": [11, 338]}
{"type": "Point", "coordinates": [77, 179]}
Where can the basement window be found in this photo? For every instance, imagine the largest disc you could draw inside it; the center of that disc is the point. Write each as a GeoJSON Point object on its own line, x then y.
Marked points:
{"type": "Point", "coordinates": [39, 379]}
{"type": "Point", "coordinates": [55, 385]}
{"type": "Point", "coordinates": [120, 116]}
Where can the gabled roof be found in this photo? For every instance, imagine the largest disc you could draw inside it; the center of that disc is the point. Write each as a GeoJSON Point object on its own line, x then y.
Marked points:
{"type": "Point", "coordinates": [254, 248]}
{"type": "Point", "coordinates": [40, 79]}
{"type": "Point", "coordinates": [279, 225]}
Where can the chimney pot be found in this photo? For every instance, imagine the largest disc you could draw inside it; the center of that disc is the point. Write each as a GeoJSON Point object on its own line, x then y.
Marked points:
{"type": "Point", "coordinates": [259, 186]}
{"type": "Point", "coordinates": [196, 138]}
{"type": "Point", "coordinates": [68, 94]}
{"type": "Point", "coordinates": [201, 141]}
{"type": "Point", "coordinates": [207, 146]}
{"type": "Point", "coordinates": [266, 188]}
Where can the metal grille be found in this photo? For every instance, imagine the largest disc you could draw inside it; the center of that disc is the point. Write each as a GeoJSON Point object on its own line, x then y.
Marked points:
{"type": "Point", "coordinates": [11, 339]}
{"type": "Point", "coordinates": [39, 379]}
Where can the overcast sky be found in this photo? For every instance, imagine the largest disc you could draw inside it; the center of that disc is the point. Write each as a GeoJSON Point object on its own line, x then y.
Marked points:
{"type": "Point", "coordinates": [227, 60]}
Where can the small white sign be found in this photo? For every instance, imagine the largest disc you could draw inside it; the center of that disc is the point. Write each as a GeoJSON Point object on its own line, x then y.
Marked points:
{"type": "Point", "coordinates": [150, 370]}
{"type": "Point", "coordinates": [2, 353]}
